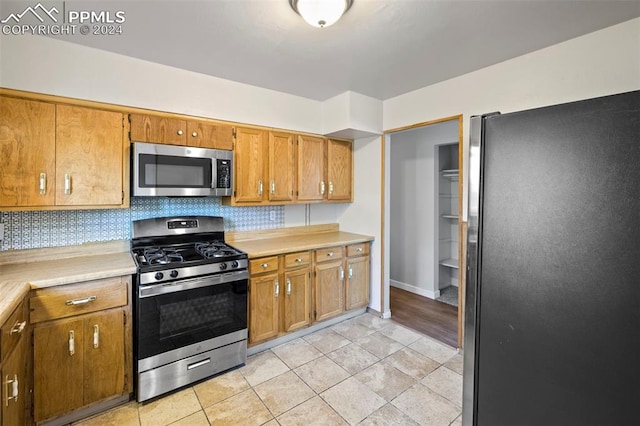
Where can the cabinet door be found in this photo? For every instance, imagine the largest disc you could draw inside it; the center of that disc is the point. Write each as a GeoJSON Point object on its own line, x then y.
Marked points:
{"type": "Point", "coordinates": [89, 156]}
{"type": "Point", "coordinates": [339, 172]}
{"type": "Point", "coordinates": [297, 301]}
{"type": "Point", "coordinates": [264, 297]}
{"type": "Point", "coordinates": [201, 134]}
{"type": "Point", "coordinates": [357, 288]}
{"type": "Point", "coordinates": [57, 358]}
{"type": "Point", "coordinates": [150, 128]}
{"type": "Point", "coordinates": [14, 385]}
{"type": "Point", "coordinates": [250, 154]}
{"type": "Point", "coordinates": [27, 144]}
{"type": "Point", "coordinates": [329, 289]}
{"type": "Point", "coordinates": [311, 185]}
{"type": "Point", "coordinates": [103, 370]}
{"type": "Point", "coordinates": [281, 163]}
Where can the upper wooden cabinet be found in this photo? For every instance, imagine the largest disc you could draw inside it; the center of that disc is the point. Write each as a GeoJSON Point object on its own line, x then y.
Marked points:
{"type": "Point", "coordinates": [281, 166]}
{"type": "Point", "coordinates": [27, 144]}
{"type": "Point", "coordinates": [89, 151]}
{"type": "Point", "coordinates": [61, 156]}
{"type": "Point", "coordinates": [325, 170]}
{"type": "Point", "coordinates": [250, 154]}
{"type": "Point", "coordinates": [311, 183]}
{"type": "Point", "coordinates": [174, 131]}
{"type": "Point", "coordinates": [339, 170]}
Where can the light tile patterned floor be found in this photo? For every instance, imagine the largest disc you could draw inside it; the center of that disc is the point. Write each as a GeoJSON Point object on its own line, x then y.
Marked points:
{"type": "Point", "coordinates": [365, 371]}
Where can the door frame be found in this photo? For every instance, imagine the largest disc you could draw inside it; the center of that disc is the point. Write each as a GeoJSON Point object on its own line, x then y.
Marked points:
{"type": "Point", "coordinates": [385, 225]}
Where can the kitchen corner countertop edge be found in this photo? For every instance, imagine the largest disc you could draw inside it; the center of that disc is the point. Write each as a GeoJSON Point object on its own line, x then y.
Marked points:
{"type": "Point", "coordinates": [294, 243]}
{"type": "Point", "coordinates": [17, 279]}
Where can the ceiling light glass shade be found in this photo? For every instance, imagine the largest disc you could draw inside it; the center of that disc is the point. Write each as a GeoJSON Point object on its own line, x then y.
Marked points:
{"type": "Point", "coordinates": [321, 13]}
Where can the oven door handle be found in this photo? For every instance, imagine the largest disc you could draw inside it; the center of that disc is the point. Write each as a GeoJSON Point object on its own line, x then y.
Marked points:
{"type": "Point", "coordinates": [206, 281]}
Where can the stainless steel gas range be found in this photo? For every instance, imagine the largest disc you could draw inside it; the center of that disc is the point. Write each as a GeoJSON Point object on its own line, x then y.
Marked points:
{"type": "Point", "coordinates": [190, 297]}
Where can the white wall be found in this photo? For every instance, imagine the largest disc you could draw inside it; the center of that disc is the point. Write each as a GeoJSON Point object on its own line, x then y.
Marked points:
{"type": "Point", "coordinates": [413, 241]}
{"type": "Point", "coordinates": [46, 65]}
{"type": "Point", "coordinates": [597, 64]}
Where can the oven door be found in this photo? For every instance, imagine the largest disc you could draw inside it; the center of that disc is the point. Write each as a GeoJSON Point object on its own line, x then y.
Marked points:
{"type": "Point", "coordinates": [180, 318]}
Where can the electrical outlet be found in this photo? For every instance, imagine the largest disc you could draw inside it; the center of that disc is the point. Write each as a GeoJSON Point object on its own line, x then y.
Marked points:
{"type": "Point", "coordinates": [272, 215]}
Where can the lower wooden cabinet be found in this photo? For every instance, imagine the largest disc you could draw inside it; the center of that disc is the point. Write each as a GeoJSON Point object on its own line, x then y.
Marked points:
{"type": "Point", "coordinates": [15, 368]}
{"type": "Point", "coordinates": [291, 291]}
{"type": "Point", "coordinates": [279, 302]}
{"type": "Point", "coordinates": [81, 345]}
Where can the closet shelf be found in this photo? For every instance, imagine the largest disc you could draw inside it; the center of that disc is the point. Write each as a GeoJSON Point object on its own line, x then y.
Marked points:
{"type": "Point", "coordinates": [450, 263]}
{"type": "Point", "coordinates": [450, 174]}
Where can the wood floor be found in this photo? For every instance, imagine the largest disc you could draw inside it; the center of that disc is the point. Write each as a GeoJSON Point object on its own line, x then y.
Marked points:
{"type": "Point", "coordinates": [435, 319]}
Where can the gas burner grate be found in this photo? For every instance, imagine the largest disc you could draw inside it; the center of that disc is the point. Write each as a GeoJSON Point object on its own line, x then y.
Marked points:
{"type": "Point", "coordinates": [161, 256]}
{"type": "Point", "coordinates": [213, 250]}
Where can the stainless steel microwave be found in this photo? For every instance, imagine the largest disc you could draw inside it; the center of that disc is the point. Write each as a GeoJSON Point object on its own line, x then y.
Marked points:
{"type": "Point", "coordinates": [180, 171]}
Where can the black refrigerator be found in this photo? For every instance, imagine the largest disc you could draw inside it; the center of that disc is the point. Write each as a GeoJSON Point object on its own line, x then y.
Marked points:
{"type": "Point", "coordinates": [552, 315]}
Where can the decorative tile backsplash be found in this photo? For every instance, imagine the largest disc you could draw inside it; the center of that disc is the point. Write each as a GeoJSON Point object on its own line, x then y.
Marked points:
{"type": "Point", "coordinates": [36, 229]}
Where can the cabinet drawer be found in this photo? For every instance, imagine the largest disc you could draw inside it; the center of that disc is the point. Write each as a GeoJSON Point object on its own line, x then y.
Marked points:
{"type": "Point", "coordinates": [293, 260]}
{"type": "Point", "coordinates": [264, 264]}
{"type": "Point", "coordinates": [358, 249]}
{"type": "Point", "coordinates": [75, 299]}
{"type": "Point", "coordinates": [12, 329]}
{"type": "Point", "coordinates": [331, 253]}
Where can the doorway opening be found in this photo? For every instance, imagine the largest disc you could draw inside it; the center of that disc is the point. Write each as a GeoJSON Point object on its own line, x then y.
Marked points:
{"type": "Point", "coordinates": [423, 230]}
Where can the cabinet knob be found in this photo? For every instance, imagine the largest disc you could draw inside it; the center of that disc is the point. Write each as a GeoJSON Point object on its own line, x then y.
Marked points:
{"type": "Point", "coordinates": [322, 188]}
{"type": "Point", "coordinates": [260, 188]}
{"type": "Point", "coordinates": [330, 254]}
{"type": "Point", "coordinates": [13, 395]}
{"type": "Point", "coordinates": [330, 188]}
{"type": "Point", "coordinates": [265, 265]}
{"type": "Point", "coordinates": [277, 285]}
{"type": "Point", "coordinates": [299, 260]}
{"type": "Point", "coordinates": [288, 287]}
{"type": "Point", "coordinates": [194, 134]}
{"type": "Point", "coordinates": [180, 132]}
{"type": "Point", "coordinates": [359, 249]}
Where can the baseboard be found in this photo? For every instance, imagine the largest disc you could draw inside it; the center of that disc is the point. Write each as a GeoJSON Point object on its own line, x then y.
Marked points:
{"type": "Point", "coordinates": [415, 290]}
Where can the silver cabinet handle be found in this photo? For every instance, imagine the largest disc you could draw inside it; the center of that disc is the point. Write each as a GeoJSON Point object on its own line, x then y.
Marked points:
{"type": "Point", "coordinates": [341, 273]}
{"type": "Point", "coordinates": [260, 187]}
{"type": "Point", "coordinates": [194, 134]}
{"type": "Point", "coordinates": [80, 301]}
{"type": "Point", "coordinates": [18, 327]}
{"type": "Point", "coordinates": [277, 286]}
{"type": "Point", "coordinates": [67, 184]}
{"type": "Point", "coordinates": [330, 187]}
{"type": "Point", "coordinates": [265, 265]}
{"type": "Point", "coordinates": [350, 272]}
{"type": "Point", "coordinates": [322, 188]}
{"type": "Point", "coordinates": [72, 343]}
{"type": "Point", "coordinates": [180, 132]}
{"type": "Point", "coordinates": [43, 183]}
{"type": "Point", "coordinates": [288, 287]}
{"type": "Point", "coordinates": [13, 395]}
{"type": "Point", "coordinates": [96, 336]}
{"type": "Point", "coordinates": [273, 187]}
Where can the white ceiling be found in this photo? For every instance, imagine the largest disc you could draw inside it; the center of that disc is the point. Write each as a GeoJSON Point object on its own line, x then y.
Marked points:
{"type": "Point", "coordinates": [379, 48]}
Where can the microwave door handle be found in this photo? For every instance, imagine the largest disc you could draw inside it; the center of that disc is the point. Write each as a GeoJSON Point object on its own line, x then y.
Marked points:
{"type": "Point", "coordinates": [214, 173]}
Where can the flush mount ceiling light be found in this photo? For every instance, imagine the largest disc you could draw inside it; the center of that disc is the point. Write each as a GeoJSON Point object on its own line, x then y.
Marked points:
{"type": "Point", "coordinates": [321, 13]}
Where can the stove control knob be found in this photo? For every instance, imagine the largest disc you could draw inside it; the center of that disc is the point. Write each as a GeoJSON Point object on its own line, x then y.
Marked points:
{"type": "Point", "coordinates": [223, 266]}
{"type": "Point", "coordinates": [174, 274]}
{"type": "Point", "coordinates": [234, 264]}
{"type": "Point", "coordinates": [159, 276]}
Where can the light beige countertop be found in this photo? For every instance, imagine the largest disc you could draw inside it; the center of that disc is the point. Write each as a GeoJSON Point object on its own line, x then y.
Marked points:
{"type": "Point", "coordinates": [22, 270]}
{"type": "Point", "coordinates": [288, 240]}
